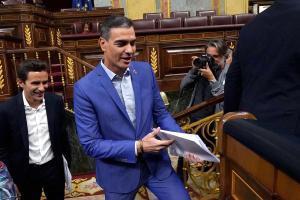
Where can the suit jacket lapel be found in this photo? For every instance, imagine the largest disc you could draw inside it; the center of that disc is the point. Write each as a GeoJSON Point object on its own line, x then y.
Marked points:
{"type": "Point", "coordinates": [50, 110]}
{"type": "Point", "coordinates": [137, 96]}
{"type": "Point", "coordinates": [110, 89]}
{"type": "Point", "coordinates": [21, 120]}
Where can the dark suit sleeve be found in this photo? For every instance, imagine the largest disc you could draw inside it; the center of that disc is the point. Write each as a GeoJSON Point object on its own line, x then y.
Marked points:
{"type": "Point", "coordinates": [189, 79]}
{"type": "Point", "coordinates": [4, 140]}
{"type": "Point", "coordinates": [233, 85]}
{"type": "Point", "coordinates": [66, 149]}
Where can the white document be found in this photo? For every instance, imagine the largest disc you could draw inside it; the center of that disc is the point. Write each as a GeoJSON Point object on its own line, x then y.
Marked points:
{"type": "Point", "coordinates": [68, 176]}
{"type": "Point", "coordinates": [187, 143]}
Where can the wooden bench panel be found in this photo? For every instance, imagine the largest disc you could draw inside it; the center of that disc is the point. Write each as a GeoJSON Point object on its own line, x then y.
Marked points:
{"type": "Point", "coordinates": [246, 174]}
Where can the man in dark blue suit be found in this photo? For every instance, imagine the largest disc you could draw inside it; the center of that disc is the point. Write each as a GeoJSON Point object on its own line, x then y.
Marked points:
{"type": "Point", "coordinates": [33, 136]}
{"type": "Point", "coordinates": [115, 107]}
{"type": "Point", "coordinates": [264, 76]}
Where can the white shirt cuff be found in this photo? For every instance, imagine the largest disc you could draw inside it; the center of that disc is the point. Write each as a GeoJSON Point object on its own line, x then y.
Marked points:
{"type": "Point", "coordinates": [135, 148]}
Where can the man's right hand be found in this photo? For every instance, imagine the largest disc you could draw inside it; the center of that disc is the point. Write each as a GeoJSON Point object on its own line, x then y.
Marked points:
{"type": "Point", "coordinates": [151, 144]}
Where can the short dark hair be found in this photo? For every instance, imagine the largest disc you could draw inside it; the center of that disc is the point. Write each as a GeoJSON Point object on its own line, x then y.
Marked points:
{"type": "Point", "coordinates": [220, 45]}
{"type": "Point", "coordinates": [114, 22]}
{"type": "Point", "coordinates": [31, 66]}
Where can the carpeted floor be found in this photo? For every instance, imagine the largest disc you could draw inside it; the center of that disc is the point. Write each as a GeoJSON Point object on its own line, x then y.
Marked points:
{"type": "Point", "coordinates": [84, 187]}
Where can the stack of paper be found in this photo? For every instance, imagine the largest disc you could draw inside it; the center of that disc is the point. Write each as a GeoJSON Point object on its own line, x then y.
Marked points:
{"type": "Point", "coordinates": [68, 176]}
{"type": "Point", "coordinates": [187, 143]}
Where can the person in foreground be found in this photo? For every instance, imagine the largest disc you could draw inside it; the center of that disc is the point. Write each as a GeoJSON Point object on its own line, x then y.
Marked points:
{"type": "Point", "coordinates": [115, 108]}
{"type": "Point", "coordinates": [33, 137]}
{"type": "Point", "coordinates": [264, 76]}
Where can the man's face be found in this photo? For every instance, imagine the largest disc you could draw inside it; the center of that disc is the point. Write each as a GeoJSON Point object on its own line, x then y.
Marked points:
{"type": "Point", "coordinates": [219, 60]}
{"type": "Point", "coordinates": [34, 87]}
{"type": "Point", "coordinates": [119, 49]}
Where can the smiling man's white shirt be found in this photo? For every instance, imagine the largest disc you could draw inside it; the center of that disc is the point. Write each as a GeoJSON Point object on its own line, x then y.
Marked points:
{"type": "Point", "coordinates": [40, 150]}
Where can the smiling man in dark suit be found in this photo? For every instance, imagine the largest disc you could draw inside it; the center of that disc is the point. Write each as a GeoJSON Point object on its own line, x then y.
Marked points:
{"type": "Point", "coordinates": [33, 137]}
{"type": "Point", "coordinates": [264, 76]}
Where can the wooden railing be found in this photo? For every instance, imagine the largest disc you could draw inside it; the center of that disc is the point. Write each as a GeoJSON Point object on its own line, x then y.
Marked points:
{"type": "Point", "coordinates": [50, 49]}
{"type": "Point", "coordinates": [197, 107]}
{"type": "Point", "coordinates": [65, 69]}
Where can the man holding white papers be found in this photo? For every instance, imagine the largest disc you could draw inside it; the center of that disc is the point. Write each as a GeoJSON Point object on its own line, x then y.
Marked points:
{"type": "Point", "coordinates": [115, 106]}
{"type": "Point", "coordinates": [187, 145]}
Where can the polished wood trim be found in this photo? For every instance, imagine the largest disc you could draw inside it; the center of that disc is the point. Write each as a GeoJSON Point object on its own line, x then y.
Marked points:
{"type": "Point", "coordinates": [8, 37]}
{"type": "Point", "coordinates": [238, 182]}
{"type": "Point", "coordinates": [287, 187]}
{"type": "Point", "coordinates": [260, 169]}
{"type": "Point", "coordinates": [256, 176]}
{"type": "Point", "coordinates": [52, 49]}
{"type": "Point", "coordinates": [227, 117]}
{"type": "Point", "coordinates": [208, 102]}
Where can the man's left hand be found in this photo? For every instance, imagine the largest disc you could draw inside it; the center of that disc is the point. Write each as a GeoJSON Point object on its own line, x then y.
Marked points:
{"type": "Point", "coordinates": [193, 158]}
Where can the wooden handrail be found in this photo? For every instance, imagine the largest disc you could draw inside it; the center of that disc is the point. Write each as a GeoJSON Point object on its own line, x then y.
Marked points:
{"type": "Point", "coordinates": [203, 104]}
{"type": "Point", "coordinates": [227, 117]}
{"type": "Point", "coordinates": [76, 58]}
{"type": "Point", "coordinates": [52, 49]}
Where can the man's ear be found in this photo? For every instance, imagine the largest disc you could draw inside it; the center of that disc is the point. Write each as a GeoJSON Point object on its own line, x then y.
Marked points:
{"type": "Point", "coordinates": [102, 43]}
{"type": "Point", "coordinates": [20, 83]}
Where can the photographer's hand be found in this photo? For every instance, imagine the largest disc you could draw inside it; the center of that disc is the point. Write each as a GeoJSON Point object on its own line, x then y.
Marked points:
{"type": "Point", "coordinates": [193, 58]}
{"type": "Point", "coordinates": [195, 70]}
{"type": "Point", "coordinates": [207, 73]}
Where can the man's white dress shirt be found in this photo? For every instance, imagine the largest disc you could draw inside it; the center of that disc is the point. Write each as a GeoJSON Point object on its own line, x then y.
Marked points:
{"type": "Point", "coordinates": [40, 150]}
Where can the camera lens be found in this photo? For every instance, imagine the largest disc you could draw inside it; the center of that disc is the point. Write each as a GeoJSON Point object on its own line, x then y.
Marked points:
{"type": "Point", "coordinates": [197, 62]}
{"type": "Point", "coordinates": [200, 62]}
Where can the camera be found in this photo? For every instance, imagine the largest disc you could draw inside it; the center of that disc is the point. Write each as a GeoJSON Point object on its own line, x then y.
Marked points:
{"type": "Point", "coordinates": [200, 62]}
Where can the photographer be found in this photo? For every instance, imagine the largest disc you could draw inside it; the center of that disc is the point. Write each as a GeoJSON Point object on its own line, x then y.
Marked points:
{"type": "Point", "coordinates": [207, 77]}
